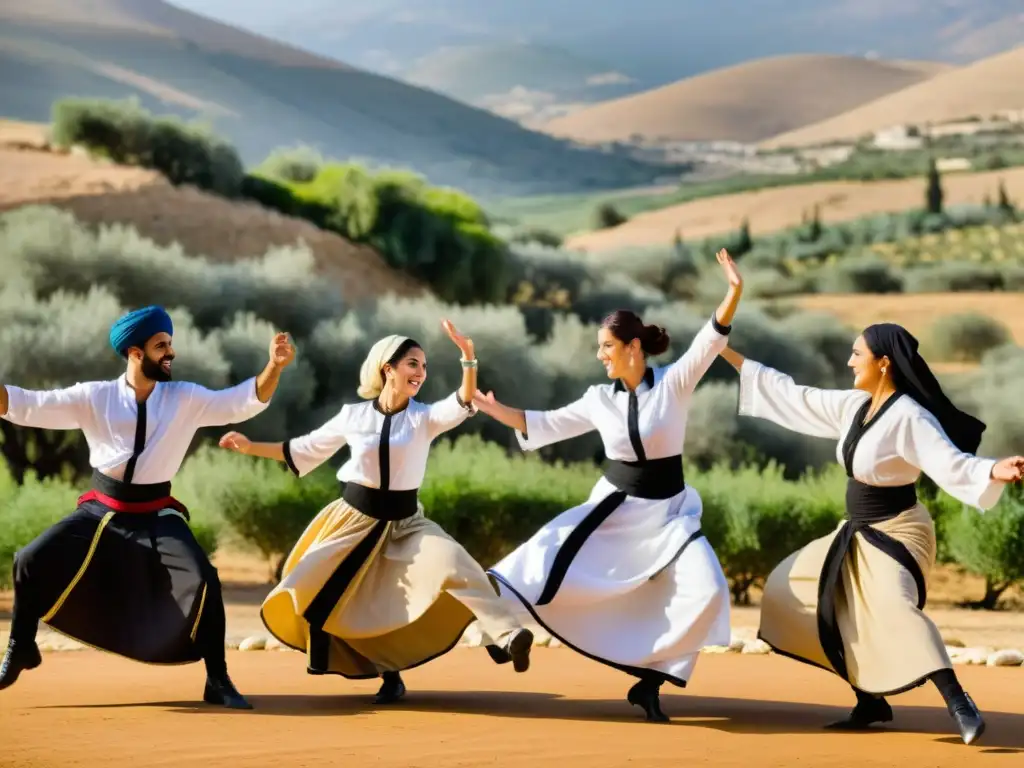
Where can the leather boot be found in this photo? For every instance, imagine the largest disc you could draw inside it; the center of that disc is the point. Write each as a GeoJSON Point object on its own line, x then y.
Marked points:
{"type": "Point", "coordinates": [646, 696]}
{"type": "Point", "coordinates": [869, 710]}
{"type": "Point", "coordinates": [392, 689]}
{"type": "Point", "coordinates": [20, 656]}
{"type": "Point", "coordinates": [967, 717]}
{"type": "Point", "coordinates": [220, 690]}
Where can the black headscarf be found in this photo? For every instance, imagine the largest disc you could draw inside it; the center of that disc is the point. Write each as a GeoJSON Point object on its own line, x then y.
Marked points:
{"type": "Point", "coordinates": [912, 376]}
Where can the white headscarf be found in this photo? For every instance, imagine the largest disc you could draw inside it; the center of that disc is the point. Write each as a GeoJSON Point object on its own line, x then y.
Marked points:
{"type": "Point", "coordinates": [371, 376]}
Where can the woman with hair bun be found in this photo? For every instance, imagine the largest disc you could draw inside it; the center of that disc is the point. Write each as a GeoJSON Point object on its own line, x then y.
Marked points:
{"type": "Point", "coordinates": [372, 586]}
{"type": "Point", "coordinates": [627, 578]}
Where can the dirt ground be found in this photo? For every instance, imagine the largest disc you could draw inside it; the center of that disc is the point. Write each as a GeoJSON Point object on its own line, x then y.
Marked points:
{"type": "Point", "coordinates": [83, 709]}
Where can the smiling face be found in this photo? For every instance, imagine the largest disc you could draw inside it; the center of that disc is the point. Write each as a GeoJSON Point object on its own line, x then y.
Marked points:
{"type": "Point", "coordinates": [155, 358]}
{"type": "Point", "coordinates": [614, 355]}
{"type": "Point", "coordinates": [407, 376]}
{"type": "Point", "coordinates": [867, 369]}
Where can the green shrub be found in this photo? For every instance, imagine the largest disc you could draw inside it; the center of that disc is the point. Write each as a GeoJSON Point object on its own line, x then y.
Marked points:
{"type": "Point", "coordinates": [965, 337]}
{"type": "Point", "coordinates": [866, 275]}
{"type": "Point", "coordinates": [299, 164]}
{"type": "Point", "coordinates": [607, 216]}
{"type": "Point", "coordinates": [942, 278]}
{"type": "Point", "coordinates": [128, 134]}
{"type": "Point", "coordinates": [755, 518]}
{"type": "Point", "coordinates": [26, 511]}
{"type": "Point", "coordinates": [990, 545]}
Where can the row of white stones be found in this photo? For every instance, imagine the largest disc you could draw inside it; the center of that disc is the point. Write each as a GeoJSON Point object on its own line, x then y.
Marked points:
{"type": "Point", "coordinates": [978, 656]}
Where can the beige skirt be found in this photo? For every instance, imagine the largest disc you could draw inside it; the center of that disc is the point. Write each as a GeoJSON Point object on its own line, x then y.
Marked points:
{"type": "Point", "coordinates": [888, 644]}
{"type": "Point", "coordinates": [362, 596]}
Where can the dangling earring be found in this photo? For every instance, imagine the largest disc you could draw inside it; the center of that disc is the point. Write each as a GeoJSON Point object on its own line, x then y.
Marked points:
{"type": "Point", "coordinates": [883, 370]}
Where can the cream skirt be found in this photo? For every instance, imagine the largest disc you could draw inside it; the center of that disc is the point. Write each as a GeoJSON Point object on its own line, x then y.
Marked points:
{"type": "Point", "coordinates": [888, 644]}
{"type": "Point", "coordinates": [362, 596]}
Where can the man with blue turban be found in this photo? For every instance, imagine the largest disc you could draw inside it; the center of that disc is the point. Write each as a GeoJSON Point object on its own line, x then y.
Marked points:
{"type": "Point", "coordinates": [123, 572]}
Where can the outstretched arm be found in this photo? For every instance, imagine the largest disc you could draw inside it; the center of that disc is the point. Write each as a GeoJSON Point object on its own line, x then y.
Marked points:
{"type": "Point", "coordinates": [217, 407]}
{"type": "Point", "coordinates": [536, 429]}
{"type": "Point", "coordinates": [301, 454]}
{"type": "Point", "coordinates": [688, 370]}
{"type": "Point", "coordinates": [66, 408]}
{"type": "Point", "coordinates": [970, 479]}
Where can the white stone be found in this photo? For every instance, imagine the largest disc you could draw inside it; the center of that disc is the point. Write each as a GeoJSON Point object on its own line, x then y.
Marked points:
{"type": "Point", "coordinates": [975, 656]}
{"type": "Point", "coordinates": [253, 643]}
{"type": "Point", "coordinates": [756, 646]}
{"type": "Point", "coordinates": [716, 649]}
{"type": "Point", "coordinates": [1008, 657]}
{"type": "Point", "coordinates": [273, 644]}
{"type": "Point", "coordinates": [554, 642]}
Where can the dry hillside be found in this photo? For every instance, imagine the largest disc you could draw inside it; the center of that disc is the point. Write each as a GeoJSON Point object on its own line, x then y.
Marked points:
{"type": "Point", "coordinates": [747, 102]}
{"type": "Point", "coordinates": [982, 88]}
{"type": "Point", "coordinates": [100, 193]}
{"type": "Point", "coordinates": [773, 209]}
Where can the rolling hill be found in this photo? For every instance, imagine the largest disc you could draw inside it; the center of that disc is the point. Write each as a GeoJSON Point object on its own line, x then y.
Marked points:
{"type": "Point", "coordinates": [980, 89]}
{"type": "Point", "coordinates": [526, 82]}
{"type": "Point", "coordinates": [220, 229]}
{"type": "Point", "coordinates": [747, 102]}
{"type": "Point", "coordinates": [654, 41]}
{"type": "Point", "coordinates": [262, 94]}
{"type": "Point", "coordinates": [770, 210]}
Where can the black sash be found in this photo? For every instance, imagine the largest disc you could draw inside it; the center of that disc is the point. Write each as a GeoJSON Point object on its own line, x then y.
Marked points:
{"type": "Point", "coordinates": [131, 493]}
{"type": "Point", "coordinates": [865, 506]}
{"type": "Point", "coordinates": [380, 504]}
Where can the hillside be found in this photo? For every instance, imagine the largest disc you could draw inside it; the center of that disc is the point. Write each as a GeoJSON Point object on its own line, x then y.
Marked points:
{"type": "Point", "coordinates": [747, 102]}
{"type": "Point", "coordinates": [521, 81]}
{"type": "Point", "coordinates": [262, 94]}
{"type": "Point", "coordinates": [773, 209]}
{"type": "Point", "coordinates": [100, 193]}
{"type": "Point", "coordinates": [980, 89]}
{"type": "Point", "coordinates": [654, 41]}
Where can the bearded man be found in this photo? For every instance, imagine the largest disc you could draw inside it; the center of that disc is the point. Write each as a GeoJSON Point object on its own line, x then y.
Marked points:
{"type": "Point", "coordinates": [123, 572]}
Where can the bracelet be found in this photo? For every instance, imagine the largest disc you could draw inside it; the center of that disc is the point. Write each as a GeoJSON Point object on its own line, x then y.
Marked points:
{"type": "Point", "coordinates": [469, 363]}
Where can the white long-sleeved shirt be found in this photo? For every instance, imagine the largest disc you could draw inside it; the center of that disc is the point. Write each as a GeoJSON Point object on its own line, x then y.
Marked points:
{"type": "Point", "coordinates": [905, 440]}
{"type": "Point", "coordinates": [663, 401]}
{"type": "Point", "coordinates": [361, 426]}
{"type": "Point", "coordinates": [107, 414]}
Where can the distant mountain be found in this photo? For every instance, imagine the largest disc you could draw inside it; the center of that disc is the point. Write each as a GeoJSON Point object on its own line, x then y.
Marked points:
{"type": "Point", "coordinates": [982, 89]}
{"type": "Point", "coordinates": [263, 94]}
{"type": "Point", "coordinates": [653, 41]}
{"type": "Point", "coordinates": [529, 83]}
{"type": "Point", "coordinates": [747, 102]}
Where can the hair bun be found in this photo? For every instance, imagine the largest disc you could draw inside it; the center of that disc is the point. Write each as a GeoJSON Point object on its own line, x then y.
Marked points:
{"type": "Point", "coordinates": [655, 340]}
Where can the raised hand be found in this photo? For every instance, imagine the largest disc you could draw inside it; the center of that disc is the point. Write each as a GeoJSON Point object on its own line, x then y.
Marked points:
{"type": "Point", "coordinates": [235, 441]}
{"type": "Point", "coordinates": [464, 343]}
{"type": "Point", "coordinates": [1009, 470]}
{"type": "Point", "coordinates": [732, 274]}
{"type": "Point", "coordinates": [282, 351]}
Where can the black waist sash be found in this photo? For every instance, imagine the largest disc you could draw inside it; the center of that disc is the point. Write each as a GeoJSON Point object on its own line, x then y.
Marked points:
{"type": "Point", "coordinates": [865, 505]}
{"type": "Point", "coordinates": [131, 493]}
{"type": "Point", "coordinates": [381, 505]}
{"type": "Point", "coordinates": [649, 479]}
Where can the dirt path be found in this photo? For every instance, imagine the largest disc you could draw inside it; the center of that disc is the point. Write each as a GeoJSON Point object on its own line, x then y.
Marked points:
{"type": "Point", "coordinates": [86, 709]}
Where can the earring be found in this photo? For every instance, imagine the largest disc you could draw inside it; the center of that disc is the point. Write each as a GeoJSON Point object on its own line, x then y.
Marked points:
{"type": "Point", "coordinates": [883, 370]}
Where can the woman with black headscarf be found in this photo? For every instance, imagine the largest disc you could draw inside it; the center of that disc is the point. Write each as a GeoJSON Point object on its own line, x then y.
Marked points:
{"type": "Point", "coordinates": [850, 602]}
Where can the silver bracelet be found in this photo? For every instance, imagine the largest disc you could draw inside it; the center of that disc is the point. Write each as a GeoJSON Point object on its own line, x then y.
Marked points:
{"type": "Point", "coordinates": [469, 363]}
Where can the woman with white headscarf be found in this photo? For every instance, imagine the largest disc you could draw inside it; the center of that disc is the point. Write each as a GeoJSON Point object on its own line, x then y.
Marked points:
{"type": "Point", "coordinates": [373, 587]}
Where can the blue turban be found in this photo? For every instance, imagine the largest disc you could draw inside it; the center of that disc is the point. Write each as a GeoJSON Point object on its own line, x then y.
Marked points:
{"type": "Point", "coordinates": [138, 327]}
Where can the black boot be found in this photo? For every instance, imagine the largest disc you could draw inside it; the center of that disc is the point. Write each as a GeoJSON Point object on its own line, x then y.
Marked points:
{"type": "Point", "coordinates": [391, 690]}
{"type": "Point", "coordinates": [21, 655]}
{"type": "Point", "coordinates": [220, 690]}
{"type": "Point", "coordinates": [968, 719]}
{"type": "Point", "coordinates": [645, 695]}
{"type": "Point", "coordinates": [869, 709]}
{"type": "Point", "coordinates": [516, 649]}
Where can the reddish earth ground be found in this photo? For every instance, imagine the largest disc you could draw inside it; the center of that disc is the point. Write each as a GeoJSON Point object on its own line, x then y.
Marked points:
{"type": "Point", "coordinates": [88, 708]}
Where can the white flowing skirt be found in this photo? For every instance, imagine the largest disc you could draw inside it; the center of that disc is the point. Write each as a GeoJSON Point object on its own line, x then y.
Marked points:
{"type": "Point", "coordinates": [644, 593]}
